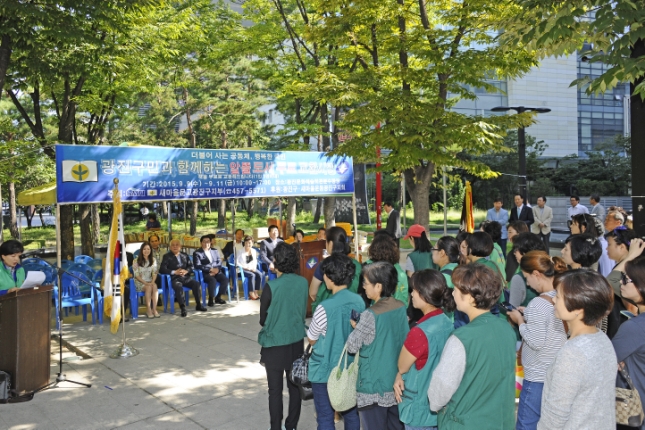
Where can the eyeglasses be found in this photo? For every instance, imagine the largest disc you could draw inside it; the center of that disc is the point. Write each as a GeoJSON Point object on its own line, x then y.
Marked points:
{"type": "Point", "coordinates": [435, 249]}
{"type": "Point", "coordinates": [625, 279]}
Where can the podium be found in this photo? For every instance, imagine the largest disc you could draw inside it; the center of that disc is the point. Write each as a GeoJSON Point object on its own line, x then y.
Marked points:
{"type": "Point", "coordinates": [310, 255]}
{"type": "Point", "coordinates": [25, 349]}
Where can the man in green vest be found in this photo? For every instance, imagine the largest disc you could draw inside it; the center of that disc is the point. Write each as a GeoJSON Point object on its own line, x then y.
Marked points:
{"type": "Point", "coordinates": [473, 386]}
{"type": "Point", "coordinates": [328, 332]}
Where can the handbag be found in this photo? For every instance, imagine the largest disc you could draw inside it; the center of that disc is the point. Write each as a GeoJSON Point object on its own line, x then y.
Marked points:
{"type": "Point", "coordinates": [629, 409]}
{"type": "Point", "coordinates": [299, 375]}
{"type": "Point", "coordinates": [341, 385]}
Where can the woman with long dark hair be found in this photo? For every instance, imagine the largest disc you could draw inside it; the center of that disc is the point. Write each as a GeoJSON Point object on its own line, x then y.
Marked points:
{"type": "Point", "coordinates": [145, 269]}
{"type": "Point", "coordinates": [422, 348]}
{"type": "Point", "coordinates": [336, 241]}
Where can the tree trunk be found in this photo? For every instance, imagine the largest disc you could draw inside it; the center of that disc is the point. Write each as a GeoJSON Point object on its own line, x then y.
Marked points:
{"type": "Point", "coordinates": [193, 218]}
{"type": "Point", "coordinates": [87, 244]}
{"type": "Point", "coordinates": [29, 214]}
{"type": "Point", "coordinates": [251, 207]}
{"type": "Point", "coordinates": [221, 214]}
{"type": "Point", "coordinates": [5, 56]}
{"type": "Point", "coordinates": [164, 209]}
{"type": "Point", "coordinates": [319, 204]}
{"type": "Point", "coordinates": [330, 211]}
{"type": "Point", "coordinates": [67, 231]}
{"type": "Point", "coordinates": [417, 182]}
{"type": "Point", "coordinates": [1, 218]}
{"type": "Point", "coordinates": [291, 216]}
{"type": "Point", "coordinates": [40, 215]}
{"type": "Point", "coordinates": [96, 225]}
{"type": "Point", "coordinates": [13, 216]}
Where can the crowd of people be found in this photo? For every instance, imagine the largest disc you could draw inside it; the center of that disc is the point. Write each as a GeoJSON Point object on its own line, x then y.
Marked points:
{"type": "Point", "coordinates": [439, 342]}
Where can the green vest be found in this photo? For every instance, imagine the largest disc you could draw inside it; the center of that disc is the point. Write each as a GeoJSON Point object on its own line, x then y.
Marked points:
{"type": "Point", "coordinates": [449, 267]}
{"type": "Point", "coordinates": [285, 322]}
{"type": "Point", "coordinates": [485, 398]}
{"type": "Point", "coordinates": [414, 408]}
{"type": "Point", "coordinates": [421, 260]}
{"type": "Point", "coordinates": [494, 268]}
{"type": "Point", "coordinates": [401, 293]}
{"type": "Point", "coordinates": [6, 278]}
{"type": "Point", "coordinates": [324, 293]}
{"type": "Point", "coordinates": [379, 360]}
{"type": "Point", "coordinates": [328, 348]}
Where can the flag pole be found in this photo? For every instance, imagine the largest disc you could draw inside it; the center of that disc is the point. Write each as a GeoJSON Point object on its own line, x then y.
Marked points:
{"type": "Point", "coordinates": [124, 350]}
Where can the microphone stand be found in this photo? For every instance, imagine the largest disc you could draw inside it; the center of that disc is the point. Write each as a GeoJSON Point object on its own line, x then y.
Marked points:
{"type": "Point", "coordinates": [61, 377]}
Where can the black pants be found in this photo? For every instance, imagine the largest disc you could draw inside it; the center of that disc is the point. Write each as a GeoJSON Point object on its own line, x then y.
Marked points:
{"type": "Point", "coordinates": [212, 281]}
{"type": "Point", "coordinates": [380, 418]}
{"type": "Point", "coordinates": [274, 380]}
{"type": "Point", "coordinates": [546, 239]}
{"type": "Point", "coordinates": [177, 286]}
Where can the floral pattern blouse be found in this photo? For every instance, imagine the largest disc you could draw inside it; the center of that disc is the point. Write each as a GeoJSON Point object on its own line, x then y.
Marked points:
{"type": "Point", "coordinates": [146, 273]}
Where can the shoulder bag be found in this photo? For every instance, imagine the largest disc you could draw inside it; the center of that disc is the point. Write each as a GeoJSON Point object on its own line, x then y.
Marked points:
{"type": "Point", "coordinates": [341, 385]}
{"type": "Point", "coordinates": [629, 409]}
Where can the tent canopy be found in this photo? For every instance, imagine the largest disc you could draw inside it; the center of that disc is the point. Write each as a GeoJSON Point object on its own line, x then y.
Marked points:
{"type": "Point", "coordinates": [42, 195]}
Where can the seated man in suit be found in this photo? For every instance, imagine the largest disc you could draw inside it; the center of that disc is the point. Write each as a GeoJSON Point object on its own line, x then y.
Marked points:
{"type": "Point", "coordinates": [177, 264]}
{"type": "Point", "coordinates": [267, 246]}
{"type": "Point", "coordinates": [209, 261]}
{"type": "Point", "coordinates": [521, 212]}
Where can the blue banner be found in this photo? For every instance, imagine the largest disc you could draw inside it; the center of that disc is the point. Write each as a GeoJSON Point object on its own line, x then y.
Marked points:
{"type": "Point", "coordinates": [85, 174]}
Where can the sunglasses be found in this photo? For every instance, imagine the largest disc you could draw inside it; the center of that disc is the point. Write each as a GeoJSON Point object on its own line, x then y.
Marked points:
{"type": "Point", "coordinates": [625, 279]}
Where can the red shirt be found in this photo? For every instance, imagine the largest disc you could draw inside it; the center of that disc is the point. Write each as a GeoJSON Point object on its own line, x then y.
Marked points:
{"type": "Point", "coordinates": [417, 342]}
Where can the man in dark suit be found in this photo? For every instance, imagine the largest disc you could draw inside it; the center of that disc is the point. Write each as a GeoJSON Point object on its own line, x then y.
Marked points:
{"type": "Point", "coordinates": [229, 249]}
{"type": "Point", "coordinates": [267, 247]}
{"type": "Point", "coordinates": [521, 212]}
{"type": "Point", "coordinates": [393, 225]}
{"type": "Point", "coordinates": [177, 264]}
{"type": "Point", "coordinates": [209, 261]}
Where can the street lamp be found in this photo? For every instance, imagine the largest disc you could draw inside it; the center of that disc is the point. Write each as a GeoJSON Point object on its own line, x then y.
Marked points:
{"type": "Point", "coordinates": [521, 138]}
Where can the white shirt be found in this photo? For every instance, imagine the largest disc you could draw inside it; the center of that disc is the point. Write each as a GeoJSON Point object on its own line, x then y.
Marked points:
{"type": "Point", "coordinates": [578, 209]}
{"type": "Point", "coordinates": [208, 254]}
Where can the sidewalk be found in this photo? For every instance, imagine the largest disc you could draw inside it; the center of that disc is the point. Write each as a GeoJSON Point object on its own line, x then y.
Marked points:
{"type": "Point", "coordinates": [201, 372]}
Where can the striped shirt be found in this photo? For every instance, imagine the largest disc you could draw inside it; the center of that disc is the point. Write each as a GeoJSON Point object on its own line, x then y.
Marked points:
{"type": "Point", "coordinates": [543, 335]}
{"type": "Point", "coordinates": [318, 326]}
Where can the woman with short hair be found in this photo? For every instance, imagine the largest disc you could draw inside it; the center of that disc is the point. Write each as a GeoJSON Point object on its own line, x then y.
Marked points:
{"type": "Point", "coordinates": [474, 382]}
{"type": "Point", "coordinates": [12, 274]}
{"type": "Point", "coordinates": [629, 342]}
{"type": "Point", "coordinates": [379, 336]}
{"type": "Point", "coordinates": [579, 388]}
{"type": "Point", "coordinates": [385, 248]}
{"type": "Point", "coordinates": [581, 251]}
{"type": "Point", "coordinates": [336, 242]}
{"type": "Point", "coordinates": [329, 329]}
{"type": "Point", "coordinates": [520, 293]}
{"type": "Point", "coordinates": [283, 307]}
{"type": "Point", "coordinates": [494, 230]}
{"type": "Point", "coordinates": [422, 349]}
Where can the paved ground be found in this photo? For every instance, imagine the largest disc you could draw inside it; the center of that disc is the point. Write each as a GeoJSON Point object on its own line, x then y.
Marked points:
{"type": "Point", "coordinates": [200, 372]}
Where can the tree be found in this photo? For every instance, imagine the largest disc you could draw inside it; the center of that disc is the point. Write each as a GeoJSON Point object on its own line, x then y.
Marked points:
{"type": "Point", "coordinates": [406, 80]}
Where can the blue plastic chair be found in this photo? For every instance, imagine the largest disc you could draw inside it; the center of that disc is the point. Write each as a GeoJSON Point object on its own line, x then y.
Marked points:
{"type": "Point", "coordinates": [96, 264]}
{"type": "Point", "coordinates": [264, 274]}
{"type": "Point", "coordinates": [134, 299]}
{"type": "Point", "coordinates": [83, 259]}
{"type": "Point", "coordinates": [169, 293]}
{"type": "Point", "coordinates": [233, 269]}
{"type": "Point", "coordinates": [98, 276]}
{"type": "Point", "coordinates": [135, 254]}
{"type": "Point", "coordinates": [73, 297]}
{"type": "Point", "coordinates": [199, 275]}
{"type": "Point", "coordinates": [64, 264]}
{"type": "Point", "coordinates": [49, 271]}
{"type": "Point", "coordinates": [85, 270]}
{"type": "Point", "coordinates": [35, 260]}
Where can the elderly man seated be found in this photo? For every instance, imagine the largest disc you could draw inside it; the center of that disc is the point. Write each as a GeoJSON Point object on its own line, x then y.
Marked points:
{"type": "Point", "coordinates": [177, 264]}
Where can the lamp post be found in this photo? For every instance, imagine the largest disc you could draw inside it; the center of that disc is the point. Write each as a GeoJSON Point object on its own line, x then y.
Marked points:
{"type": "Point", "coordinates": [521, 143]}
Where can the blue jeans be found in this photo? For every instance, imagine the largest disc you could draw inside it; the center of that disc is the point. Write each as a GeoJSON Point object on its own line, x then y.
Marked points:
{"type": "Point", "coordinates": [529, 408]}
{"type": "Point", "coordinates": [325, 413]}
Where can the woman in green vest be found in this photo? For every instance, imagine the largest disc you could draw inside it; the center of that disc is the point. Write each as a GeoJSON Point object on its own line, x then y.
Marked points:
{"type": "Point", "coordinates": [422, 349]}
{"type": "Point", "coordinates": [385, 248]}
{"type": "Point", "coordinates": [494, 230]}
{"type": "Point", "coordinates": [520, 292]}
{"type": "Point", "coordinates": [336, 241]}
{"type": "Point", "coordinates": [480, 246]}
{"type": "Point", "coordinates": [445, 255]}
{"type": "Point", "coordinates": [473, 386]}
{"type": "Point", "coordinates": [379, 336]}
{"type": "Point", "coordinates": [12, 275]}
{"type": "Point", "coordinates": [283, 306]}
{"type": "Point", "coordinates": [328, 333]}
{"type": "Point", "coordinates": [421, 257]}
